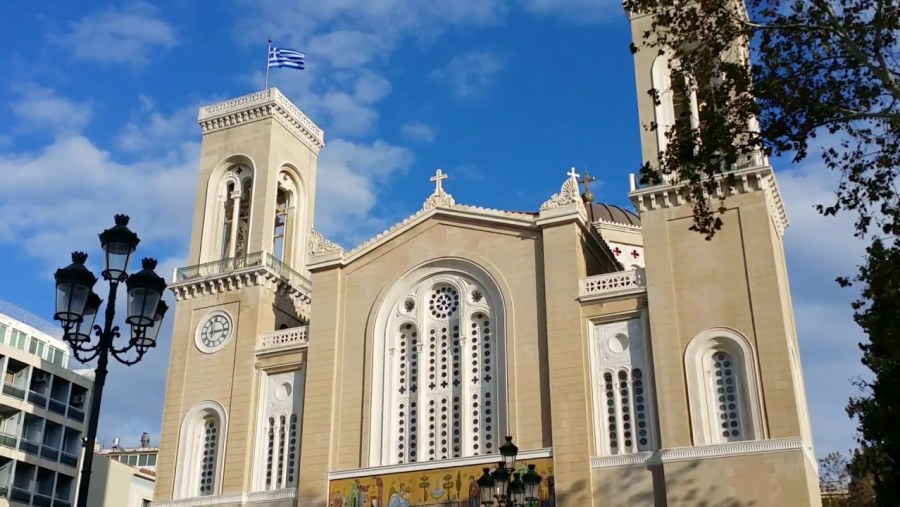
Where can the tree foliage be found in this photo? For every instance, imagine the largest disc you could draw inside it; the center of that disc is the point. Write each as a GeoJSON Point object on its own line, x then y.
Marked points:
{"type": "Point", "coordinates": [878, 407]}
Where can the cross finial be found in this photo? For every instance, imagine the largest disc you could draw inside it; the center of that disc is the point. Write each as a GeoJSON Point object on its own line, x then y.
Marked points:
{"type": "Point", "coordinates": [586, 181]}
{"type": "Point", "coordinates": [572, 174]}
{"type": "Point", "coordinates": [438, 177]}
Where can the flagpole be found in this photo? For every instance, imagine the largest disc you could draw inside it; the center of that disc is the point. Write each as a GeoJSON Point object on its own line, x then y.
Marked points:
{"type": "Point", "coordinates": [269, 51]}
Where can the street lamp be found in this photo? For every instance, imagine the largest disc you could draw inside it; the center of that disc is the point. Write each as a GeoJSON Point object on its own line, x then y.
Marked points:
{"type": "Point", "coordinates": [77, 306]}
{"type": "Point", "coordinates": [503, 486]}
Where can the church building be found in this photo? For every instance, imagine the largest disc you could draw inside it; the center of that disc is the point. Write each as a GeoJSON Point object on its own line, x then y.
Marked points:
{"type": "Point", "coordinates": [631, 361]}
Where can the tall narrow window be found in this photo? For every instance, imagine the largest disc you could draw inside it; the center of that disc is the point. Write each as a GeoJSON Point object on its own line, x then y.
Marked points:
{"type": "Point", "coordinates": [281, 217]}
{"type": "Point", "coordinates": [722, 388]}
{"type": "Point", "coordinates": [208, 460]}
{"type": "Point", "coordinates": [229, 221]}
{"type": "Point", "coordinates": [443, 368]}
{"type": "Point", "coordinates": [622, 398]}
{"type": "Point", "coordinates": [677, 112]}
{"type": "Point", "coordinates": [200, 451]}
{"type": "Point", "coordinates": [242, 227]}
{"type": "Point", "coordinates": [278, 440]}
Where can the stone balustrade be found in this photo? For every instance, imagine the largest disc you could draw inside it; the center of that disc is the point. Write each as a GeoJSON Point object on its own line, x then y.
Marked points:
{"type": "Point", "coordinates": [612, 284]}
{"type": "Point", "coordinates": [283, 339]}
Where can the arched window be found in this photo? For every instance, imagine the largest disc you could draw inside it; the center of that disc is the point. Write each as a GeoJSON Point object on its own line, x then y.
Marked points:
{"type": "Point", "coordinates": [278, 439]}
{"type": "Point", "coordinates": [722, 388]}
{"type": "Point", "coordinates": [439, 370]}
{"type": "Point", "coordinates": [287, 231]}
{"type": "Point", "coordinates": [200, 451]}
{"type": "Point", "coordinates": [226, 222]}
{"type": "Point", "coordinates": [678, 110]}
{"type": "Point", "coordinates": [623, 401]}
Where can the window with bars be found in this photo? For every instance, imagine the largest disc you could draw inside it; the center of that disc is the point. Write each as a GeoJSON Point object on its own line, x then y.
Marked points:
{"type": "Point", "coordinates": [722, 387]}
{"type": "Point", "coordinates": [279, 437]}
{"type": "Point", "coordinates": [442, 367]}
{"type": "Point", "coordinates": [623, 414]}
{"type": "Point", "coordinates": [200, 451]}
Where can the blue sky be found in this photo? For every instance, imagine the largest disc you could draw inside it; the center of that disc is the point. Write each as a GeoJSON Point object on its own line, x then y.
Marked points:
{"type": "Point", "coordinates": [99, 106]}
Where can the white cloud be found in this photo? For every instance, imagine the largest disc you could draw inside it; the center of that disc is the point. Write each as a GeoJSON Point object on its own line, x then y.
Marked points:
{"type": "Point", "coordinates": [818, 249]}
{"type": "Point", "coordinates": [44, 108]}
{"type": "Point", "coordinates": [126, 35]}
{"type": "Point", "coordinates": [153, 130]}
{"type": "Point", "coordinates": [59, 198]}
{"type": "Point", "coordinates": [579, 12]}
{"type": "Point", "coordinates": [417, 131]}
{"type": "Point", "coordinates": [469, 74]}
{"type": "Point", "coordinates": [349, 177]}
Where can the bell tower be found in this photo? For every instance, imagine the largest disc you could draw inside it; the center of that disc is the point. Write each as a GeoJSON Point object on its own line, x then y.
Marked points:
{"type": "Point", "coordinates": [725, 349]}
{"type": "Point", "coordinates": [234, 394]}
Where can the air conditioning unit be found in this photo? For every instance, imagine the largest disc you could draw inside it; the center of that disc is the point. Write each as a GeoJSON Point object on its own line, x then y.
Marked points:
{"type": "Point", "coordinates": [78, 399]}
{"type": "Point", "coordinates": [40, 376]}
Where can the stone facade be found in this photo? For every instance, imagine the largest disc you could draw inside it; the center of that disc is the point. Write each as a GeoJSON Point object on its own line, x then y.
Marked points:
{"type": "Point", "coordinates": [634, 361]}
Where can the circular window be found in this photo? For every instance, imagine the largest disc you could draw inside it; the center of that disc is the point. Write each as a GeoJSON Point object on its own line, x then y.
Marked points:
{"type": "Point", "coordinates": [618, 343]}
{"type": "Point", "coordinates": [214, 331]}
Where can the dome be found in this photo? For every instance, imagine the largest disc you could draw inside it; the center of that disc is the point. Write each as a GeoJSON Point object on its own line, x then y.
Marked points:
{"type": "Point", "coordinates": [615, 214]}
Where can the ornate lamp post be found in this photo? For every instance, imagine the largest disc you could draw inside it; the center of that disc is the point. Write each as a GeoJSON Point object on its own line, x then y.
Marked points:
{"type": "Point", "coordinates": [77, 307]}
{"type": "Point", "coordinates": [503, 486]}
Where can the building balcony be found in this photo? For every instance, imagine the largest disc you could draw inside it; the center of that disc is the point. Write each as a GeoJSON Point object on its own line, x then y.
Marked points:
{"type": "Point", "coordinates": [260, 268]}
{"type": "Point", "coordinates": [283, 340]}
{"type": "Point", "coordinates": [607, 285]}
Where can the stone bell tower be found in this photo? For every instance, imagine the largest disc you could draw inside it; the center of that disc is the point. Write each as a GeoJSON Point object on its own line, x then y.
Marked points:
{"type": "Point", "coordinates": [235, 387]}
{"type": "Point", "coordinates": [725, 350]}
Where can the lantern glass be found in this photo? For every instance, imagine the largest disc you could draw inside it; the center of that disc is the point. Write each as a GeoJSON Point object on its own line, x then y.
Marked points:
{"type": "Point", "coordinates": [501, 479]}
{"type": "Point", "coordinates": [118, 243]}
{"type": "Point", "coordinates": [142, 302]}
{"type": "Point", "coordinates": [145, 337]}
{"type": "Point", "coordinates": [71, 299]}
{"type": "Point", "coordinates": [144, 292]}
{"type": "Point", "coordinates": [532, 481]}
{"type": "Point", "coordinates": [117, 257]}
{"type": "Point", "coordinates": [509, 451]}
{"type": "Point", "coordinates": [73, 286]}
{"type": "Point", "coordinates": [486, 487]}
{"type": "Point", "coordinates": [82, 331]}
{"type": "Point", "coordinates": [517, 490]}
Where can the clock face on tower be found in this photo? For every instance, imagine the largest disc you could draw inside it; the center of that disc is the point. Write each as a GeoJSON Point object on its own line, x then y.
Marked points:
{"type": "Point", "coordinates": [214, 331]}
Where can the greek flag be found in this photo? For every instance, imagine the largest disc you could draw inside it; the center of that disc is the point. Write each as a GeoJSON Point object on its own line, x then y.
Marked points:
{"type": "Point", "coordinates": [286, 58]}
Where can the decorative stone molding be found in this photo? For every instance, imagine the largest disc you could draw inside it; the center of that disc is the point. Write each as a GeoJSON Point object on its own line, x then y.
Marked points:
{"type": "Point", "coordinates": [747, 180]}
{"type": "Point", "coordinates": [612, 284]}
{"type": "Point", "coordinates": [270, 103]}
{"type": "Point", "coordinates": [257, 269]}
{"type": "Point", "coordinates": [283, 339]}
{"type": "Point", "coordinates": [318, 245]}
{"type": "Point", "coordinates": [568, 194]}
{"type": "Point", "coordinates": [522, 456]}
{"type": "Point", "coordinates": [231, 499]}
{"type": "Point", "coordinates": [439, 199]}
{"type": "Point", "coordinates": [700, 452]}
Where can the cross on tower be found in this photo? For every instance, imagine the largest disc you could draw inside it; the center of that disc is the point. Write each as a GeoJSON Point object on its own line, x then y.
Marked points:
{"type": "Point", "coordinates": [437, 178]}
{"type": "Point", "coordinates": [572, 174]}
{"type": "Point", "coordinates": [586, 181]}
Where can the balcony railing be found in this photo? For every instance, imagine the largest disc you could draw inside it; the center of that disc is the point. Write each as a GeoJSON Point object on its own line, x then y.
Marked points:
{"type": "Point", "coordinates": [75, 414]}
{"type": "Point", "coordinates": [29, 447]}
{"type": "Point", "coordinates": [57, 407]}
{"type": "Point", "coordinates": [37, 399]}
{"type": "Point", "coordinates": [68, 459]}
{"type": "Point", "coordinates": [284, 339]}
{"type": "Point", "coordinates": [240, 263]}
{"type": "Point", "coordinates": [14, 391]}
{"type": "Point", "coordinates": [612, 284]}
{"type": "Point", "coordinates": [8, 440]}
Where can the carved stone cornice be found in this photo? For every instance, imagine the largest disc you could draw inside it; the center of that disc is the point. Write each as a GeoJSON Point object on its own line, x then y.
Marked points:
{"type": "Point", "coordinates": [254, 276]}
{"type": "Point", "coordinates": [439, 199]}
{"type": "Point", "coordinates": [568, 194]}
{"type": "Point", "coordinates": [270, 103]}
{"type": "Point", "coordinates": [699, 452]}
{"type": "Point", "coordinates": [318, 245]}
{"type": "Point", "coordinates": [749, 180]}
